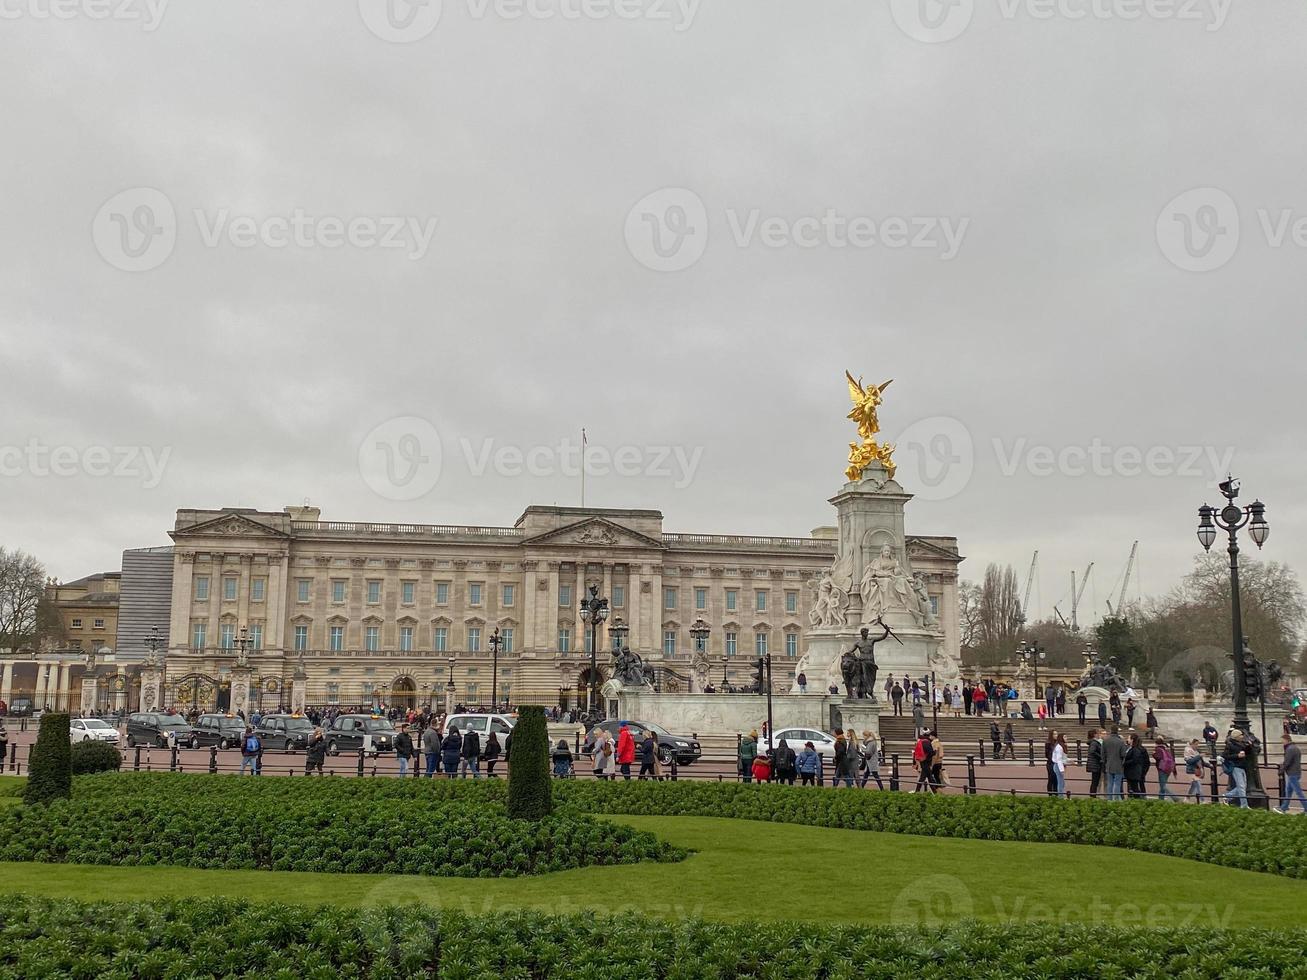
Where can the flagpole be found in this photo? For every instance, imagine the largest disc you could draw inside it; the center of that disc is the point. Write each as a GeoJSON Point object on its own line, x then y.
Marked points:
{"type": "Point", "coordinates": [582, 467]}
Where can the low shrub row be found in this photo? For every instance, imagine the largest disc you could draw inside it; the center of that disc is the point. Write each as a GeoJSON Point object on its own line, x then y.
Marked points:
{"type": "Point", "coordinates": [1217, 835]}
{"type": "Point", "coordinates": [91, 757]}
{"type": "Point", "coordinates": [212, 937]}
{"type": "Point", "coordinates": [161, 822]}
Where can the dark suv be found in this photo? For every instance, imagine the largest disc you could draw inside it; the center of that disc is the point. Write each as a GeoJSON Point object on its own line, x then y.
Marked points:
{"type": "Point", "coordinates": [289, 733]}
{"type": "Point", "coordinates": [153, 728]}
{"type": "Point", "coordinates": [347, 734]}
{"type": "Point", "coordinates": [684, 748]}
{"type": "Point", "coordinates": [224, 731]}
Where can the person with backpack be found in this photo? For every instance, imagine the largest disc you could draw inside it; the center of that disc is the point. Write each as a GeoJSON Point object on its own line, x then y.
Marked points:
{"type": "Point", "coordinates": [451, 748]}
{"type": "Point", "coordinates": [921, 762]}
{"type": "Point", "coordinates": [996, 738]}
{"type": "Point", "coordinates": [404, 750]}
{"type": "Point", "coordinates": [1009, 742]}
{"type": "Point", "coordinates": [562, 759]}
{"type": "Point", "coordinates": [1164, 762]}
{"type": "Point", "coordinates": [251, 746]}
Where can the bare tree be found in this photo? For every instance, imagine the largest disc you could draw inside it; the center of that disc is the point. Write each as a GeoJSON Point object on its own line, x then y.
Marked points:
{"type": "Point", "coordinates": [22, 589]}
{"type": "Point", "coordinates": [969, 615]}
{"type": "Point", "coordinates": [1000, 617]}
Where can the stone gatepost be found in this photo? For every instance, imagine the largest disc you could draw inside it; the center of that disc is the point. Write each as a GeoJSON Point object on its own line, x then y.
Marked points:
{"type": "Point", "coordinates": [240, 691]}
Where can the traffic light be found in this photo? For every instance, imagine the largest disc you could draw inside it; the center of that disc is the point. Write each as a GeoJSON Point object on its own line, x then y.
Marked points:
{"type": "Point", "coordinates": [758, 677]}
{"type": "Point", "coordinates": [1252, 679]}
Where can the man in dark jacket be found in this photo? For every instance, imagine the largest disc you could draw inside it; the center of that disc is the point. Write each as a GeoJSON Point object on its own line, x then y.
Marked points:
{"type": "Point", "coordinates": [1082, 703]}
{"type": "Point", "coordinates": [451, 747]}
{"type": "Point", "coordinates": [1094, 763]}
{"type": "Point", "coordinates": [786, 764]}
{"type": "Point", "coordinates": [1292, 775]}
{"type": "Point", "coordinates": [1102, 715]}
{"type": "Point", "coordinates": [404, 749]}
{"type": "Point", "coordinates": [1114, 749]}
{"type": "Point", "coordinates": [431, 749]}
{"type": "Point", "coordinates": [315, 753]}
{"type": "Point", "coordinates": [1236, 756]}
{"type": "Point", "coordinates": [648, 753]}
{"type": "Point", "coordinates": [470, 755]}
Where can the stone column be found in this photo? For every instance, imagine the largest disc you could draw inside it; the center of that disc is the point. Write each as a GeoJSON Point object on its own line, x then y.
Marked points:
{"type": "Point", "coordinates": [299, 692]}
{"type": "Point", "coordinates": [179, 628]}
{"type": "Point", "coordinates": [6, 681]}
{"type": "Point", "coordinates": [89, 694]}
{"type": "Point", "coordinates": [633, 623]}
{"type": "Point", "coordinates": [120, 690]}
{"type": "Point", "coordinates": [240, 691]}
{"type": "Point", "coordinates": [549, 621]}
{"type": "Point", "coordinates": [60, 700]}
{"type": "Point", "coordinates": [41, 687]}
{"type": "Point", "coordinates": [151, 689]}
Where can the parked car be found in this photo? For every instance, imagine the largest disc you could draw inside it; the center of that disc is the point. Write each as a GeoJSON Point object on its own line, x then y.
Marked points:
{"type": "Point", "coordinates": [349, 733]}
{"type": "Point", "coordinates": [153, 728]}
{"type": "Point", "coordinates": [684, 748]}
{"type": "Point", "coordinates": [21, 707]}
{"type": "Point", "coordinates": [92, 730]}
{"type": "Point", "coordinates": [483, 725]}
{"type": "Point", "coordinates": [795, 737]}
{"type": "Point", "coordinates": [289, 733]}
{"type": "Point", "coordinates": [224, 731]}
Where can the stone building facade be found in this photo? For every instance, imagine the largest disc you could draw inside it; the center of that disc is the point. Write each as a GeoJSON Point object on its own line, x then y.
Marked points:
{"type": "Point", "coordinates": [389, 613]}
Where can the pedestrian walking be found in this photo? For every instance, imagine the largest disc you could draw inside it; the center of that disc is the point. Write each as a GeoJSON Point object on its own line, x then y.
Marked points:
{"type": "Point", "coordinates": [870, 759]}
{"type": "Point", "coordinates": [1114, 749]}
{"type": "Point", "coordinates": [491, 753]}
{"type": "Point", "coordinates": [918, 721]}
{"type": "Point", "coordinates": [785, 766]}
{"type": "Point", "coordinates": [1193, 767]}
{"type": "Point", "coordinates": [1050, 769]}
{"type": "Point", "coordinates": [1094, 761]}
{"type": "Point", "coordinates": [1236, 751]}
{"type": "Point", "coordinates": [1059, 766]}
{"type": "Point", "coordinates": [1009, 742]}
{"type": "Point", "coordinates": [251, 746]}
{"type": "Point", "coordinates": [625, 749]}
{"type": "Point", "coordinates": [451, 748]}
{"type": "Point", "coordinates": [1150, 723]}
{"type": "Point", "coordinates": [808, 762]}
{"type": "Point", "coordinates": [431, 749]}
{"type": "Point", "coordinates": [1082, 703]}
{"type": "Point", "coordinates": [1164, 763]}
{"type": "Point", "coordinates": [1130, 708]}
{"type": "Point", "coordinates": [1135, 765]}
{"type": "Point", "coordinates": [921, 762]}
{"type": "Point", "coordinates": [1292, 769]}
{"type": "Point", "coordinates": [996, 737]}
{"type": "Point", "coordinates": [315, 753]}
{"type": "Point", "coordinates": [404, 749]}
{"type": "Point", "coordinates": [761, 768]}
{"type": "Point", "coordinates": [648, 756]}
{"type": "Point", "coordinates": [470, 755]}
{"type": "Point", "coordinates": [748, 749]}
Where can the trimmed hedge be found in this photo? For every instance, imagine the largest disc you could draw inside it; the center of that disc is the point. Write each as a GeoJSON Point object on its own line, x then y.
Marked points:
{"type": "Point", "coordinates": [530, 793]}
{"type": "Point", "coordinates": [309, 825]}
{"type": "Point", "coordinates": [214, 937]}
{"type": "Point", "coordinates": [1227, 836]}
{"type": "Point", "coordinates": [96, 756]}
{"type": "Point", "coordinates": [49, 767]}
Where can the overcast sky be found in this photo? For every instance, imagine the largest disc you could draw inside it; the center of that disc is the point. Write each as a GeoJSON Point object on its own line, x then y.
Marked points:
{"type": "Point", "coordinates": [256, 253]}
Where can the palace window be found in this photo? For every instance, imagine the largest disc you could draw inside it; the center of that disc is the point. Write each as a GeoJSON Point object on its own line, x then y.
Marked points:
{"type": "Point", "coordinates": [474, 593]}
{"type": "Point", "coordinates": [701, 644]}
{"type": "Point", "coordinates": [199, 634]}
{"type": "Point", "coordinates": [97, 624]}
{"type": "Point", "coordinates": [507, 636]}
{"type": "Point", "coordinates": [564, 595]}
{"type": "Point", "coordinates": [669, 643]}
{"type": "Point", "coordinates": [934, 605]}
{"type": "Point", "coordinates": [226, 636]}
{"type": "Point", "coordinates": [229, 588]}
{"type": "Point", "coordinates": [760, 644]}
{"type": "Point", "coordinates": [732, 599]}
{"type": "Point", "coordinates": [700, 599]}
{"type": "Point", "coordinates": [619, 596]}
{"type": "Point", "coordinates": [442, 593]}
{"type": "Point", "coordinates": [406, 639]}
{"type": "Point", "coordinates": [407, 590]}
{"type": "Point", "coordinates": [564, 640]}
{"type": "Point", "coordinates": [302, 589]}
{"type": "Point", "coordinates": [508, 596]}
{"type": "Point", "coordinates": [791, 602]}
{"type": "Point", "coordinates": [256, 636]}
{"type": "Point", "coordinates": [301, 637]}
{"type": "Point", "coordinates": [336, 638]}
{"type": "Point", "coordinates": [201, 587]}
{"type": "Point", "coordinates": [760, 600]}
{"type": "Point", "coordinates": [474, 639]}
{"type": "Point", "coordinates": [374, 590]}
{"type": "Point", "coordinates": [337, 590]}
{"type": "Point", "coordinates": [441, 639]}
{"type": "Point", "coordinates": [76, 624]}
{"type": "Point", "coordinates": [372, 638]}
{"type": "Point", "coordinates": [791, 644]}
{"type": "Point", "coordinates": [258, 589]}
{"type": "Point", "coordinates": [732, 639]}
{"type": "Point", "coordinates": [333, 692]}
{"type": "Point", "coordinates": [669, 598]}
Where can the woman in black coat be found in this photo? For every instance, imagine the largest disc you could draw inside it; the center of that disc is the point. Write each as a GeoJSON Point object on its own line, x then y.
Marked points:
{"type": "Point", "coordinates": [1136, 768]}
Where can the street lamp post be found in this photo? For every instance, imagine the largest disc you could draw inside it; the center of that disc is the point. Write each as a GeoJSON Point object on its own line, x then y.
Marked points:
{"type": "Point", "coordinates": [449, 689]}
{"type": "Point", "coordinates": [495, 642]}
{"type": "Point", "coordinates": [1231, 518]}
{"type": "Point", "coordinates": [726, 661]}
{"type": "Point", "coordinates": [1033, 653]}
{"type": "Point", "coordinates": [594, 610]}
{"type": "Point", "coordinates": [243, 647]}
{"type": "Point", "coordinates": [764, 678]}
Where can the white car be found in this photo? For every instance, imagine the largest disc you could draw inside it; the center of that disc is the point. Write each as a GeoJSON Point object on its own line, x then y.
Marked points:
{"type": "Point", "coordinates": [92, 729]}
{"type": "Point", "coordinates": [483, 725]}
{"type": "Point", "coordinates": [796, 737]}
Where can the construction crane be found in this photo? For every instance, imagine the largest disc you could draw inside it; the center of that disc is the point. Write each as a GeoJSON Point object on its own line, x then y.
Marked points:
{"type": "Point", "coordinates": [1125, 581]}
{"type": "Point", "coordinates": [1030, 580]}
{"type": "Point", "coordinates": [1077, 593]}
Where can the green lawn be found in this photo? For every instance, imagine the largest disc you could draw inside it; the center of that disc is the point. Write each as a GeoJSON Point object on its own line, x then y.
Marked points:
{"type": "Point", "coordinates": [747, 870]}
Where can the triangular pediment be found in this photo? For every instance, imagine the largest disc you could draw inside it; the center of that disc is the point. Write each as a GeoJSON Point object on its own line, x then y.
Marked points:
{"type": "Point", "coordinates": [595, 532]}
{"type": "Point", "coordinates": [230, 526]}
{"type": "Point", "coordinates": [917, 548]}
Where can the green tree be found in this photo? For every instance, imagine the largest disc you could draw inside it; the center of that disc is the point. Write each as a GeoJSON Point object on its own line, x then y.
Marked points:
{"type": "Point", "coordinates": [22, 589]}
{"type": "Point", "coordinates": [50, 765]}
{"type": "Point", "coordinates": [530, 792]}
{"type": "Point", "coordinates": [1117, 643]}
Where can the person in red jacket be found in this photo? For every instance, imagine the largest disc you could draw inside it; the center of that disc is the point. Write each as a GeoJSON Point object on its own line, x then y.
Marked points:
{"type": "Point", "coordinates": [625, 750]}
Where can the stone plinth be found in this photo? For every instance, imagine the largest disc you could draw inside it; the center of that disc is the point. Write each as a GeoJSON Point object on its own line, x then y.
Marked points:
{"type": "Point", "coordinates": [725, 714]}
{"type": "Point", "coordinates": [861, 715]}
{"type": "Point", "coordinates": [299, 695]}
{"type": "Point", "coordinates": [90, 695]}
{"type": "Point", "coordinates": [151, 689]}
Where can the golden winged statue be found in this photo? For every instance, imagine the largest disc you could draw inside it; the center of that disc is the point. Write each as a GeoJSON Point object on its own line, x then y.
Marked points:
{"type": "Point", "coordinates": [865, 402]}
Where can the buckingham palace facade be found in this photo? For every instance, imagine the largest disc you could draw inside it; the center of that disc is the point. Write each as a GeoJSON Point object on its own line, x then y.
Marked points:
{"type": "Point", "coordinates": [388, 613]}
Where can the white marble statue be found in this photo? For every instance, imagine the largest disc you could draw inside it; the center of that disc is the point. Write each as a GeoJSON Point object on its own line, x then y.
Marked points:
{"type": "Point", "coordinates": [830, 606]}
{"type": "Point", "coordinates": [884, 586]}
{"type": "Point", "coordinates": [921, 608]}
